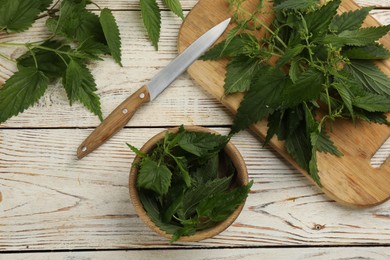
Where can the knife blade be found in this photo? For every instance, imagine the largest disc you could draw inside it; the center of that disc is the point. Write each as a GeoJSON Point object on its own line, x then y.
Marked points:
{"type": "Point", "coordinates": [121, 115]}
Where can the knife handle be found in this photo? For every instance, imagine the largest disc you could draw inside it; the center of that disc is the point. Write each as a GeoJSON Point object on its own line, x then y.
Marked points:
{"type": "Point", "coordinates": [114, 122]}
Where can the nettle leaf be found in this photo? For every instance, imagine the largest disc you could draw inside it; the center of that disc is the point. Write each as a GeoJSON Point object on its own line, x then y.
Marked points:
{"type": "Point", "coordinates": [154, 176]}
{"type": "Point", "coordinates": [202, 144]}
{"type": "Point", "coordinates": [152, 20]}
{"type": "Point", "coordinates": [370, 76]}
{"type": "Point", "coordinates": [369, 52]}
{"type": "Point", "coordinates": [20, 91]}
{"type": "Point", "coordinates": [196, 194]}
{"type": "Point", "coordinates": [19, 15]}
{"type": "Point", "coordinates": [318, 21]}
{"type": "Point", "coordinates": [136, 151]}
{"type": "Point", "coordinates": [372, 117]}
{"type": "Point", "coordinates": [323, 143]}
{"type": "Point", "coordinates": [264, 97]}
{"type": "Point", "coordinates": [50, 63]}
{"type": "Point", "coordinates": [346, 95]}
{"type": "Point", "coordinates": [235, 47]}
{"type": "Point", "coordinates": [80, 86]}
{"type": "Point", "coordinates": [295, 4]}
{"type": "Point", "coordinates": [91, 49]}
{"type": "Point", "coordinates": [206, 172]}
{"type": "Point", "coordinates": [372, 102]}
{"type": "Point", "coordinates": [298, 146]}
{"type": "Point", "coordinates": [221, 205]}
{"type": "Point", "coordinates": [351, 20]}
{"type": "Point", "coordinates": [111, 33]}
{"type": "Point", "coordinates": [306, 88]}
{"type": "Point", "coordinates": [175, 7]}
{"type": "Point", "coordinates": [359, 37]}
{"type": "Point", "coordinates": [76, 23]}
{"type": "Point", "coordinates": [289, 54]}
{"type": "Point", "coordinates": [295, 71]}
{"type": "Point", "coordinates": [239, 74]}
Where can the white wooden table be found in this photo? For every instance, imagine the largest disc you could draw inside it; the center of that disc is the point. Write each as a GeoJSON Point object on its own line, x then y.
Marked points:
{"type": "Point", "coordinates": [53, 206]}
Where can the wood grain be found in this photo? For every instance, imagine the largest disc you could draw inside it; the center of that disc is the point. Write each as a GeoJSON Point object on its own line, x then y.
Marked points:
{"type": "Point", "coordinates": [51, 200]}
{"type": "Point", "coordinates": [339, 253]}
{"type": "Point", "coordinates": [349, 179]}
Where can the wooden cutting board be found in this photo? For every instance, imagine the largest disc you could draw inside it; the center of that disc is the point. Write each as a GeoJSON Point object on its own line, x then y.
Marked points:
{"type": "Point", "coordinates": [350, 180]}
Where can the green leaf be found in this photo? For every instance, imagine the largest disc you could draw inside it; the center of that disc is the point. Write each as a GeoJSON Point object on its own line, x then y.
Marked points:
{"type": "Point", "coordinates": [111, 33]}
{"type": "Point", "coordinates": [274, 125]}
{"type": "Point", "coordinates": [80, 85]}
{"type": "Point", "coordinates": [370, 76]}
{"type": "Point", "coordinates": [221, 205]}
{"type": "Point", "coordinates": [369, 52]}
{"type": "Point", "coordinates": [197, 193]}
{"type": "Point", "coordinates": [264, 96]}
{"type": "Point", "coordinates": [182, 165]}
{"type": "Point", "coordinates": [351, 20]}
{"type": "Point", "coordinates": [298, 146]}
{"type": "Point", "coordinates": [239, 74]}
{"type": "Point", "coordinates": [206, 172]}
{"type": "Point", "coordinates": [76, 23]}
{"type": "Point", "coordinates": [91, 49]}
{"type": "Point", "coordinates": [295, 4]}
{"type": "Point", "coordinates": [235, 47]}
{"type": "Point", "coordinates": [50, 63]}
{"type": "Point", "coordinates": [346, 95]}
{"type": "Point", "coordinates": [152, 209]}
{"type": "Point", "coordinates": [21, 91]}
{"type": "Point", "coordinates": [152, 20]}
{"type": "Point", "coordinates": [154, 176]}
{"type": "Point", "coordinates": [323, 143]}
{"type": "Point", "coordinates": [19, 15]}
{"type": "Point", "coordinates": [289, 54]}
{"type": "Point", "coordinates": [318, 22]}
{"type": "Point", "coordinates": [202, 144]}
{"type": "Point", "coordinates": [359, 37]}
{"type": "Point", "coordinates": [306, 88]}
{"type": "Point", "coordinates": [372, 102]}
{"type": "Point", "coordinates": [295, 71]}
{"type": "Point", "coordinates": [372, 117]}
{"type": "Point", "coordinates": [136, 151]}
{"type": "Point", "coordinates": [175, 7]}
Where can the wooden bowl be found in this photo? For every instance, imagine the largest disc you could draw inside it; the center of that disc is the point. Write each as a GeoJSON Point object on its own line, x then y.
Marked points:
{"type": "Point", "coordinates": [241, 179]}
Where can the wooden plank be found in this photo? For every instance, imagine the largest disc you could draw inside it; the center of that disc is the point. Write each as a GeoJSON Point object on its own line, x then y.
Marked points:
{"type": "Point", "coordinates": [188, 4]}
{"type": "Point", "coordinates": [51, 201]}
{"type": "Point", "coordinates": [183, 102]}
{"type": "Point", "coordinates": [338, 253]}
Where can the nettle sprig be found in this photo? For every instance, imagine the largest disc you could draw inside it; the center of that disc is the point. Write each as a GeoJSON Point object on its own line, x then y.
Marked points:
{"type": "Point", "coordinates": [78, 36]}
{"type": "Point", "coordinates": [151, 16]}
{"type": "Point", "coordinates": [312, 67]}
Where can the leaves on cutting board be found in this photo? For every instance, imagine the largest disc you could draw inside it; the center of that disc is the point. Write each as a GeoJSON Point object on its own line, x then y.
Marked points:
{"type": "Point", "coordinates": [324, 70]}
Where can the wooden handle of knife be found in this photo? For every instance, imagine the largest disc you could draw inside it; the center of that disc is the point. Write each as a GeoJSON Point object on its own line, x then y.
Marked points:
{"type": "Point", "coordinates": [114, 122]}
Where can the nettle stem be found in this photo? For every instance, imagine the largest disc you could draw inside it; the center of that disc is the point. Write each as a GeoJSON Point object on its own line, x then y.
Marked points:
{"type": "Point", "coordinates": [262, 24]}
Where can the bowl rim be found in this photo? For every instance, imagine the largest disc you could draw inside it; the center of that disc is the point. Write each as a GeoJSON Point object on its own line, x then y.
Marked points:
{"type": "Point", "coordinates": [242, 177]}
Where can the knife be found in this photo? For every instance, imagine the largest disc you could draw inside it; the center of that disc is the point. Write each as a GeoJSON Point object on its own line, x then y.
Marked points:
{"type": "Point", "coordinates": [124, 112]}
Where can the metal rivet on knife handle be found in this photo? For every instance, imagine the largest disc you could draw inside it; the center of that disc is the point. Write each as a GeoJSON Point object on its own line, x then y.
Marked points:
{"type": "Point", "coordinates": [114, 122]}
